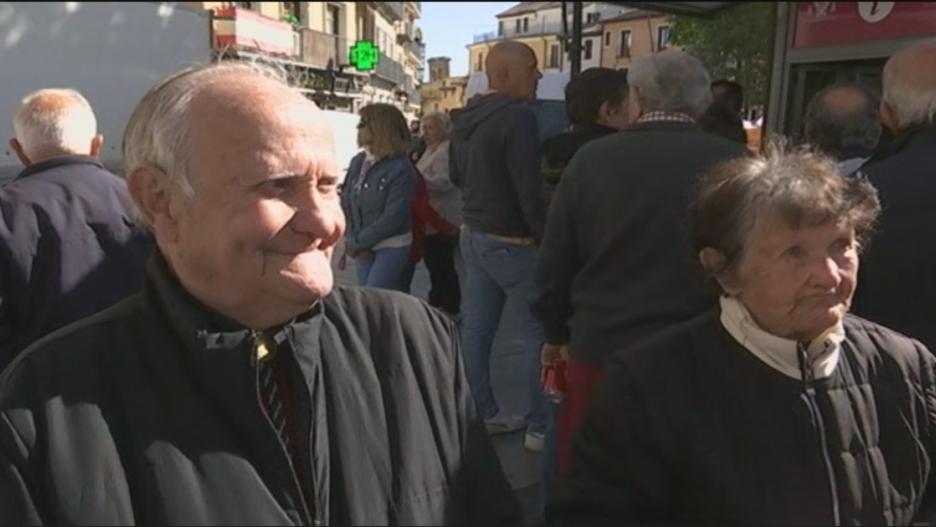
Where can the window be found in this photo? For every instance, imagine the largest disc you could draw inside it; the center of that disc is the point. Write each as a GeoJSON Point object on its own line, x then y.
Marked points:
{"type": "Point", "coordinates": [526, 25]}
{"type": "Point", "coordinates": [331, 19]}
{"type": "Point", "coordinates": [479, 65]}
{"type": "Point", "coordinates": [293, 10]}
{"type": "Point", "coordinates": [588, 49]}
{"type": "Point", "coordinates": [662, 37]}
{"type": "Point", "coordinates": [624, 50]}
{"type": "Point", "coordinates": [500, 28]}
{"type": "Point", "coordinates": [591, 17]}
{"type": "Point", "coordinates": [554, 56]}
{"type": "Point", "coordinates": [607, 38]}
{"type": "Point", "coordinates": [519, 26]}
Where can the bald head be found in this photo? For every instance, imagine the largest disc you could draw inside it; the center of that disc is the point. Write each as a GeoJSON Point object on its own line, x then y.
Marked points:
{"type": "Point", "coordinates": [511, 69]}
{"type": "Point", "coordinates": [54, 122]}
{"type": "Point", "coordinates": [843, 121]}
{"type": "Point", "coordinates": [216, 99]}
{"type": "Point", "coordinates": [910, 86]}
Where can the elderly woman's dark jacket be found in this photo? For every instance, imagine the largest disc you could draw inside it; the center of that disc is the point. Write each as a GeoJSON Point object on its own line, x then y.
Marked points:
{"type": "Point", "coordinates": [377, 204]}
{"type": "Point", "coordinates": [150, 413]}
{"type": "Point", "coordinates": [689, 427]}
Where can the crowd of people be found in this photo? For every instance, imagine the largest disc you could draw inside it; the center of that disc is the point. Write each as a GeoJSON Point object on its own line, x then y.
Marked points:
{"type": "Point", "coordinates": [729, 337]}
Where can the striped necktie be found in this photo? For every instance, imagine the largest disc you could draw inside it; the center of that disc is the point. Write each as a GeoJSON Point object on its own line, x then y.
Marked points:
{"type": "Point", "coordinates": [270, 394]}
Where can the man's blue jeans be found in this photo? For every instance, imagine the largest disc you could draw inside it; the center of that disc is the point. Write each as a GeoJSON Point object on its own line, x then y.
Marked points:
{"type": "Point", "coordinates": [496, 271]}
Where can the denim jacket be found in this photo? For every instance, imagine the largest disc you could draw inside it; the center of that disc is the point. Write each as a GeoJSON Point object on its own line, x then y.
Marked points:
{"type": "Point", "coordinates": [377, 205]}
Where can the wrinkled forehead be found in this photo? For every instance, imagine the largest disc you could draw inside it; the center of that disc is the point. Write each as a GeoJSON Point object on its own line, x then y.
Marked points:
{"type": "Point", "coordinates": [262, 124]}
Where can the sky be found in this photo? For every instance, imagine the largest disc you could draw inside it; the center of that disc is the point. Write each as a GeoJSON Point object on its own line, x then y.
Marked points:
{"type": "Point", "coordinates": [448, 27]}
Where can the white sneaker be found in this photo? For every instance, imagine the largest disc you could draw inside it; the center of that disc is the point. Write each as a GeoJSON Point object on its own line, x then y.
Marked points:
{"type": "Point", "coordinates": [503, 424]}
{"type": "Point", "coordinates": [534, 441]}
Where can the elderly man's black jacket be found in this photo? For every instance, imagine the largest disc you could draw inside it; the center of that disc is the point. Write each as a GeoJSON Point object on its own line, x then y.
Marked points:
{"type": "Point", "coordinates": [149, 413]}
{"type": "Point", "coordinates": [897, 279]}
{"type": "Point", "coordinates": [688, 427]}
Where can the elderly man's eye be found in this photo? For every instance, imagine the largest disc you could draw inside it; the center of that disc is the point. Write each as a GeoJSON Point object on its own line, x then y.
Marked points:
{"type": "Point", "coordinates": [842, 245]}
{"type": "Point", "coordinates": [328, 183]}
{"type": "Point", "coordinates": [796, 252]}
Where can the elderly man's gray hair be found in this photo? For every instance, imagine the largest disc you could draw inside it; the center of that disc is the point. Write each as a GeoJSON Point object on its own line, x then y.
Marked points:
{"type": "Point", "coordinates": [909, 81]}
{"type": "Point", "coordinates": [157, 134]}
{"type": "Point", "coordinates": [441, 118]}
{"type": "Point", "coordinates": [799, 184]}
{"type": "Point", "coordinates": [851, 122]}
{"type": "Point", "coordinates": [54, 121]}
{"type": "Point", "coordinates": [671, 81]}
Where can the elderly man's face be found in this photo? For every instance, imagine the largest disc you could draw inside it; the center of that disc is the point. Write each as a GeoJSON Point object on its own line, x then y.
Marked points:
{"type": "Point", "coordinates": [255, 242]}
{"type": "Point", "coordinates": [797, 283]}
{"type": "Point", "coordinates": [433, 131]}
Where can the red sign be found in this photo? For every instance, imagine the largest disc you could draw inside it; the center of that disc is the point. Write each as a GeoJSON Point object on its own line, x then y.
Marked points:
{"type": "Point", "coordinates": [835, 23]}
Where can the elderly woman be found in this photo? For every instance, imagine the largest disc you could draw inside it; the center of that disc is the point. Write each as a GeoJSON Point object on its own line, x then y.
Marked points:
{"type": "Point", "coordinates": [777, 407]}
{"type": "Point", "coordinates": [376, 199]}
{"type": "Point", "coordinates": [446, 200]}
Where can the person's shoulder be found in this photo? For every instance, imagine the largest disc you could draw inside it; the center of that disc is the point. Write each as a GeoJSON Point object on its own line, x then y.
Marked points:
{"type": "Point", "coordinates": [874, 344]}
{"type": "Point", "coordinates": [664, 352]}
{"type": "Point", "coordinates": [372, 309]}
{"type": "Point", "coordinates": [75, 352]}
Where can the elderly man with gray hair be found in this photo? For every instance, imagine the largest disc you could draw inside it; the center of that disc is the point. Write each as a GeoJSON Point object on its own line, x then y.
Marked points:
{"type": "Point", "coordinates": [616, 229]}
{"type": "Point", "coordinates": [241, 386]}
{"type": "Point", "coordinates": [68, 245]}
{"type": "Point", "coordinates": [897, 283]}
{"type": "Point", "coordinates": [842, 120]}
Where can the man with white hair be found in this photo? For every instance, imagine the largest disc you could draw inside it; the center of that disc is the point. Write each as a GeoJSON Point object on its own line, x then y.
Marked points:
{"type": "Point", "coordinates": [897, 281]}
{"type": "Point", "coordinates": [68, 245]}
{"type": "Point", "coordinates": [240, 386]}
{"type": "Point", "coordinates": [615, 264]}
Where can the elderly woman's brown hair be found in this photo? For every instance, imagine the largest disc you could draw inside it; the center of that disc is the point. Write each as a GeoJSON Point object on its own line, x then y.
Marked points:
{"type": "Point", "coordinates": [800, 185]}
{"type": "Point", "coordinates": [389, 133]}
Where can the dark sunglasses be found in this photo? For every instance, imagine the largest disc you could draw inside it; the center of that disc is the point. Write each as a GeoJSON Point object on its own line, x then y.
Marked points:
{"type": "Point", "coordinates": [362, 124]}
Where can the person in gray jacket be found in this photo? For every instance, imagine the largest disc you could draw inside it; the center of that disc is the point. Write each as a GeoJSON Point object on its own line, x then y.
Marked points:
{"type": "Point", "coordinates": [241, 386]}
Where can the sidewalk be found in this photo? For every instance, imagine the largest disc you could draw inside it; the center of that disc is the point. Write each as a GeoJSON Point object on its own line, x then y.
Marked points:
{"type": "Point", "coordinates": [523, 468]}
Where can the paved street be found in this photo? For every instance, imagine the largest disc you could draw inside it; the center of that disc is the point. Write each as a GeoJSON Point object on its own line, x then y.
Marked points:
{"type": "Point", "coordinates": [522, 467]}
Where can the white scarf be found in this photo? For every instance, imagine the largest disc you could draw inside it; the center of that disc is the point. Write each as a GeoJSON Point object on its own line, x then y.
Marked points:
{"type": "Point", "coordinates": [777, 352]}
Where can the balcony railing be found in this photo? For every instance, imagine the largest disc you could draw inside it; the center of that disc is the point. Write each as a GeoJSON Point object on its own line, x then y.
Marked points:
{"type": "Point", "coordinates": [243, 29]}
{"type": "Point", "coordinates": [390, 69]}
{"type": "Point", "coordinates": [509, 30]}
{"type": "Point", "coordinates": [323, 50]}
{"type": "Point", "coordinates": [418, 49]}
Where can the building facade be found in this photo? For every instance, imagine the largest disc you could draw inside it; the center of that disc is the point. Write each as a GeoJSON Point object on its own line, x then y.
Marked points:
{"type": "Point", "coordinates": [312, 42]}
{"type": "Point", "coordinates": [630, 36]}
{"type": "Point", "coordinates": [443, 93]}
{"type": "Point", "coordinates": [539, 25]}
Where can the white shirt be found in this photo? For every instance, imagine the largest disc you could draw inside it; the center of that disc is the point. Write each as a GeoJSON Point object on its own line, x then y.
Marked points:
{"type": "Point", "coordinates": [777, 352]}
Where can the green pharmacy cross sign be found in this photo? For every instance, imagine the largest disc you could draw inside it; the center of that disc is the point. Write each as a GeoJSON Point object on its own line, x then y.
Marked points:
{"type": "Point", "coordinates": [364, 55]}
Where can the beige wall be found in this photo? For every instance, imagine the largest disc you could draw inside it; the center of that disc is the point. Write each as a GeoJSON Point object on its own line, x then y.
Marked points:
{"type": "Point", "coordinates": [539, 45]}
{"type": "Point", "coordinates": [443, 95]}
{"type": "Point", "coordinates": [643, 40]}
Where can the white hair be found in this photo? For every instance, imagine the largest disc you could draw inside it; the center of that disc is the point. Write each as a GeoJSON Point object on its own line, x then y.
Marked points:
{"type": "Point", "coordinates": [671, 81]}
{"type": "Point", "coordinates": [158, 132]}
{"type": "Point", "coordinates": [440, 117]}
{"type": "Point", "coordinates": [911, 92]}
{"type": "Point", "coordinates": [54, 121]}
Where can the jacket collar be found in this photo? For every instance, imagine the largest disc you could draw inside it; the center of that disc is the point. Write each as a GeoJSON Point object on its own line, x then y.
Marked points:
{"type": "Point", "coordinates": [911, 137]}
{"type": "Point", "coordinates": [663, 126]}
{"type": "Point", "coordinates": [59, 161]}
{"type": "Point", "coordinates": [779, 353]}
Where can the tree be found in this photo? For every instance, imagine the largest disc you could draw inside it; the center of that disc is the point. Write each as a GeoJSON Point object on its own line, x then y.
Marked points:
{"type": "Point", "coordinates": [735, 44]}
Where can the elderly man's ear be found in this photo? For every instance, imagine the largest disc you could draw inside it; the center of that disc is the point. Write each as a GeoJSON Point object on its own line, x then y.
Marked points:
{"type": "Point", "coordinates": [714, 262]}
{"type": "Point", "coordinates": [96, 145]}
{"type": "Point", "coordinates": [889, 118]}
{"type": "Point", "coordinates": [151, 190]}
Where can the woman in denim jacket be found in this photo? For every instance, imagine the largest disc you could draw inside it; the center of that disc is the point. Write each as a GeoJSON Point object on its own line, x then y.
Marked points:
{"type": "Point", "coordinates": [376, 198]}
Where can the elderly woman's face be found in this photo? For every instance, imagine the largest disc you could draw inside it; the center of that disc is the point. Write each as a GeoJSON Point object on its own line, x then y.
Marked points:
{"type": "Point", "coordinates": [433, 131]}
{"type": "Point", "coordinates": [797, 282]}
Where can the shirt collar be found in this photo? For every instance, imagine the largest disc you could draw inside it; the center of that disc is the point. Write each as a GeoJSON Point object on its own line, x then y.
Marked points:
{"type": "Point", "coordinates": [57, 162]}
{"type": "Point", "coordinates": [678, 117]}
{"type": "Point", "coordinates": [780, 353]}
